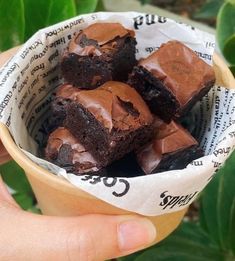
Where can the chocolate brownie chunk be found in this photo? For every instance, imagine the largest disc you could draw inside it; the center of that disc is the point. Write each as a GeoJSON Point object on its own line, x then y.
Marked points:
{"type": "Point", "coordinates": [64, 150]}
{"type": "Point", "coordinates": [125, 167]}
{"type": "Point", "coordinates": [99, 53]}
{"type": "Point", "coordinates": [64, 95]}
{"type": "Point", "coordinates": [110, 121]}
{"type": "Point", "coordinates": [172, 79]}
{"type": "Point", "coordinates": [172, 148]}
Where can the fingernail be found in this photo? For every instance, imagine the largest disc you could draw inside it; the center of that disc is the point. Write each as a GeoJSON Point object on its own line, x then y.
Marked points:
{"type": "Point", "coordinates": [135, 234]}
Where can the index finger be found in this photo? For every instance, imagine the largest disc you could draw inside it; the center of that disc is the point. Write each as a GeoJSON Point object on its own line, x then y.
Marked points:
{"type": "Point", "coordinates": [5, 56]}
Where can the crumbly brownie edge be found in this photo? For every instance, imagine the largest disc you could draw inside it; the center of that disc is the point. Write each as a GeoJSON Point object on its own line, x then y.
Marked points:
{"type": "Point", "coordinates": [130, 140]}
{"type": "Point", "coordinates": [159, 99]}
{"type": "Point", "coordinates": [196, 98]}
{"type": "Point", "coordinates": [124, 59]}
{"type": "Point", "coordinates": [88, 130]}
{"type": "Point", "coordinates": [104, 146]}
{"type": "Point", "coordinates": [59, 110]}
{"type": "Point", "coordinates": [82, 70]}
{"type": "Point", "coordinates": [179, 159]}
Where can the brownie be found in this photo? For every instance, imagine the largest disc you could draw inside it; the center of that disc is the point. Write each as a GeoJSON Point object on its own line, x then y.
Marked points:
{"type": "Point", "coordinates": [64, 95]}
{"type": "Point", "coordinates": [125, 167]}
{"type": "Point", "coordinates": [110, 121]}
{"type": "Point", "coordinates": [64, 150]}
{"type": "Point", "coordinates": [99, 53]}
{"type": "Point", "coordinates": [172, 148]}
{"type": "Point", "coordinates": [172, 79]}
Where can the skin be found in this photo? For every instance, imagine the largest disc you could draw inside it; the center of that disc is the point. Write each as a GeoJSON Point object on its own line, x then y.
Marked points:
{"type": "Point", "coordinates": [26, 236]}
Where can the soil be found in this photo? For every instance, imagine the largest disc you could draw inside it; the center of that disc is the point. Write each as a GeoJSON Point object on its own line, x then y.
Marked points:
{"type": "Point", "coordinates": [186, 8]}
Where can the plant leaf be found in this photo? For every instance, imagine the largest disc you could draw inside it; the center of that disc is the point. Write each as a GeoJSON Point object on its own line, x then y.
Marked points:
{"type": "Point", "coordinates": [100, 6]}
{"type": "Point", "coordinates": [188, 242]}
{"type": "Point", "coordinates": [225, 23]}
{"type": "Point", "coordinates": [26, 201]}
{"type": "Point", "coordinates": [209, 10]}
{"type": "Point", "coordinates": [34, 209]}
{"type": "Point", "coordinates": [11, 23]}
{"type": "Point", "coordinates": [144, 2]}
{"type": "Point", "coordinates": [231, 1]}
{"type": "Point", "coordinates": [15, 178]}
{"type": "Point", "coordinates": [60, 10]}
{"type": "Point", "coordinates": [231, 234]}
{"type": "Point", "coordinates": [217, 203]}
{"type": "Point", "coordinates": [229, 48]}
{"type": "Point", "coordinates": [202, 217]}
{"type": "Point", "coordinates": [86, 6]}
{"type": "Point", "coordinates": [232, 69]}
{"type": "Point", "coordinates": [39, 14]}
{"type": "Point", "coordinates": [225, 200]}
{"type": "Point", "coordinates": [208, 209]}
{"type": "Point", "coordinates": [131, 257]}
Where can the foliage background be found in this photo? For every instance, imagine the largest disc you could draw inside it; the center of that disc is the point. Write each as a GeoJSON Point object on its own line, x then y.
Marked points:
{"type": "Point", "coordinates": [19, 19]}
{"type": "Point", "coordinates": [211, 236]}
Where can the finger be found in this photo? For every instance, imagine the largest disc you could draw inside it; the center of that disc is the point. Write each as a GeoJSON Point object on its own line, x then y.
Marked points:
{"type": "Point", "coordinates": [5, 195]}
{"type": "Point", "coordinates": [85, 238]}
{"type": "Point", "coordinates": [5, 56]}
{"type": "Point", "coordinates": [4, 156]}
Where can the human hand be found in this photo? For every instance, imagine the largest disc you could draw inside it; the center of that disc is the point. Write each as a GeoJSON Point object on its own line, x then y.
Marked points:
{"type": "Point", "coordinates": [27, 236]}
{"type": "Point", "coordinates": [4, 156]}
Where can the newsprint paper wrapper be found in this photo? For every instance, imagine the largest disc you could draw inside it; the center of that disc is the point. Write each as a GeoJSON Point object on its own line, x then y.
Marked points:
{"type": "Point", "coordinates": [28, 80]}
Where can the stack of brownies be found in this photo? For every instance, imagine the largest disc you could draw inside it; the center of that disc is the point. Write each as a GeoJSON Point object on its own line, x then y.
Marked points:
{"type": "Point", "coordinates": [113, 106]}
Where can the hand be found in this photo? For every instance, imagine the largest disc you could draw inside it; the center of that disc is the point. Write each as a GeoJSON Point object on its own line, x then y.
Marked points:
{"type": "Point", "coordinates": [27, 236]}
{"type": "Point", "coordinates": [4, 156]}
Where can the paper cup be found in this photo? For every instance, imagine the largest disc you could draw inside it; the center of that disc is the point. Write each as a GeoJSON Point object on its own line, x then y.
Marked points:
{"type": "Point", "coordinates": [58, 197]}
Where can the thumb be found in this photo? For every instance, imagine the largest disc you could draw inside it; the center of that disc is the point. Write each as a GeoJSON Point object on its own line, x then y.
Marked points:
{"type": "Point", "coordinates": [90, 237]}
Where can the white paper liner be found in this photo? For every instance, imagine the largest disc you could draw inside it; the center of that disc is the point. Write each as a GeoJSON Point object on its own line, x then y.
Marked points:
{"type": "Point", "coordinates": [28, 80]}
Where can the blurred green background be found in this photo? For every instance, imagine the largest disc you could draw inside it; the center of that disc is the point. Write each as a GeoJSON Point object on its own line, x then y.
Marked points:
{"type": "Point", "coordinates": [208, 230]}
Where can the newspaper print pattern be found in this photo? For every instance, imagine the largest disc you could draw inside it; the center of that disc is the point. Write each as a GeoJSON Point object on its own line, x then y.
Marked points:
{"type": "Point", "coordinates": [29, 80]}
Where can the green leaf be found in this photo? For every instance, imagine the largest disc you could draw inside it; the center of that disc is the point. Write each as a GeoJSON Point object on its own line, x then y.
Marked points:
{"type": "Point", "coordinates": [202, 217]}
{"type": "Point", "coordinates": [34, 210]}
{"type": "Point", "coordinates": [231, 235]}
{"type": "Point", "coordinates": [225, 23]}
{"type": "Point", "coordinates": [144, 2]}
{"type": "Point", "coordinates": [225, 200]}
{"type": "Point", "coordinates": [26, 201]}
{"type": "Point", "coordinates": [188, 242]}
{"type": "Point", "coordinates": [14, 177]}
{"type": "Point", "coordinates": [218, 207]}
{"type": "Point", "coordinates": [100, 6]}
{"type": "Point", "coordinates": [59, 10]}
{"type": "Point", "coordinates": [231, 1]}
{"type": "Point", "coordinates": [229, 49]}
{"type": "Point", "coordinates": [209, 10]}
{"type": "Point", "coordinates": [208, 209]}
{"type": "Point", "coordinates": [86, 6]}
{"type": "Point", "coordinates": [232, 69]}
{"type": "Point", "coordinates": [131, 257]}
{"type": "Point", "coordinates": [11, 23]}
{"type": "Point", "coordinates": [42, 13]}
